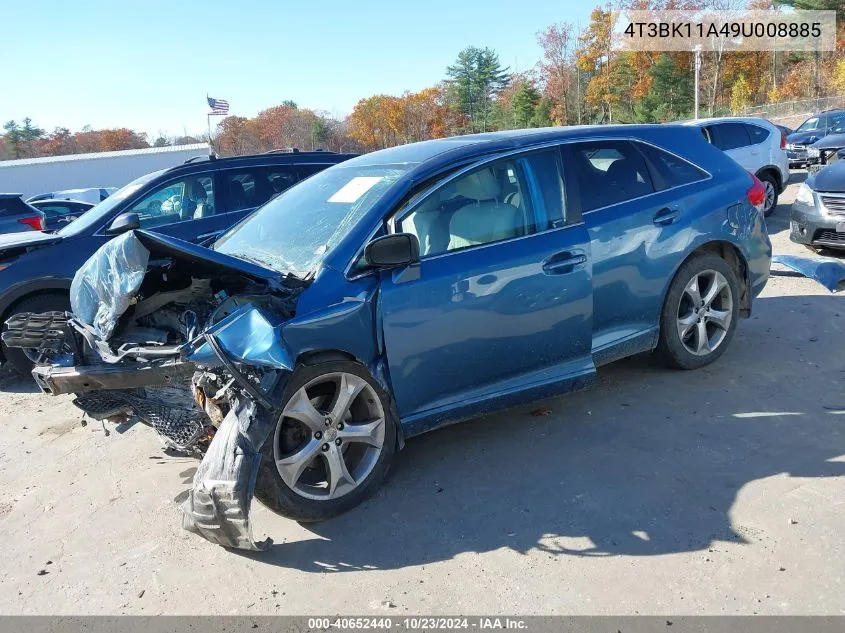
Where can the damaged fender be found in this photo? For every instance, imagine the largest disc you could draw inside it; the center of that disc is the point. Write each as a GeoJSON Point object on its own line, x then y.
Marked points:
{"type": "Point", "coordinates": [217, 508]}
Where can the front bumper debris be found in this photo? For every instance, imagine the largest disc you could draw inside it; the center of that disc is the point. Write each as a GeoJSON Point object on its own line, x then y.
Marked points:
{"type": "Point", "coordinates": [218, 506]}
{"type": "Point", "coordinates": [829, 272]}
{"type": "Point", "coordinates": [56, 380]}
{"type": "Point", "coordinates": [180, 429]}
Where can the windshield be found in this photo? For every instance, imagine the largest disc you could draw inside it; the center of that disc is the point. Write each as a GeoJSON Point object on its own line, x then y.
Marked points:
{"type": "Point", "coordinates": [99, 213]}
{"type": "Point", "coordinates": [809, 125]}
{"type": "Point", "coordinates": [295, 231]}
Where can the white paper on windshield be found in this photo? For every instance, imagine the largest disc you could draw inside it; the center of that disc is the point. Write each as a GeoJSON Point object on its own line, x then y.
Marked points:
{"type": "Point", "coordinates": [354, 189]}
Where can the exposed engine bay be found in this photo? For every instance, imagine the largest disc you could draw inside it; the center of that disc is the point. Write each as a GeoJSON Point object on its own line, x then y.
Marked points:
{"type": "Point", "coordinates": [186, 340]}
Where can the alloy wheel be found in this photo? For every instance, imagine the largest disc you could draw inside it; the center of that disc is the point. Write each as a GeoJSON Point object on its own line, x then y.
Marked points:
{"type": "Point", "coordinates": [705, 312]}
{"type": "Point", "coordinates": [770, 196]}
{"type": "Point", "coordinates": [329, 436]}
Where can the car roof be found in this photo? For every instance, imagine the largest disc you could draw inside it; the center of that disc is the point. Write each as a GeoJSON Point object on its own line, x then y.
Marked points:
{"type": "Point", "coordinates": [7, 196]}
{"type": "Point", "coordinates": [202, 163]}
{"type": "Point", "coordinates": [49, 201]}
{"type": "Point", "coordinates": [727, 119]}
{"type": "Point", "coordinates": [487, 142]}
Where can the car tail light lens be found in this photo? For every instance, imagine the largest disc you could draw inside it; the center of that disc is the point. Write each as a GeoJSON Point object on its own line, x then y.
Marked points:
{"type": "Point", "coordinates": [757, 194]}
{"type": "Point", "coordinates": [782, 139]}
{"type": "Point", "coordinates": [36, 222]}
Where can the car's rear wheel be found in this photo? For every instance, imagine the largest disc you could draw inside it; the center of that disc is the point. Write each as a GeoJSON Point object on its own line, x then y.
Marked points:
{"type": "Point", "coordinates": [22, 360]}
{"type": "Point", "coordinates": [332, 445]}
{"type": "Point", "coordinates": [700, 313]}
{"type": "Point", "coordinates": [770, 187]}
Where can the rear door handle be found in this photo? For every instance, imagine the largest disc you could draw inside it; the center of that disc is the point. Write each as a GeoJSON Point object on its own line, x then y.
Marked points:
{"type": "Point", "coordinates": [666, 216]}
{"type": "Point", "coordinates": [565, 262]}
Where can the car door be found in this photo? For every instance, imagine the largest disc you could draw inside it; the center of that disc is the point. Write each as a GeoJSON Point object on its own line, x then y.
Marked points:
{"type": "Point", "coordinates": [247, 189]}
{"type": "Point", "coordinates": [733, 139]}
{"type": "Point", "coordinates": [501, 299]}
{"type": "Point", "coordinates": [633, 215]}
{"type": "Point", "coordinates": [185, 207]}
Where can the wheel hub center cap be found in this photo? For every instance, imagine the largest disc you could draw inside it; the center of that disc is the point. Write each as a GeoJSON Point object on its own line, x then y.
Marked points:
{"type": "Point", "coordinates": [331, 434]}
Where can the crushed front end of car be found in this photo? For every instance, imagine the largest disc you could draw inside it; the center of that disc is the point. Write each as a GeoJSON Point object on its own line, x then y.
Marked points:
{"type": "Point", "coordinates": [185, 339]}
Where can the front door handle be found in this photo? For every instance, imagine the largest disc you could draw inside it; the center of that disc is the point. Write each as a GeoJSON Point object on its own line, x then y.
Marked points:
{"type": "Point", "coordinates": [565, 262]}
{"type": "Point", "coordinates": [666, 216]}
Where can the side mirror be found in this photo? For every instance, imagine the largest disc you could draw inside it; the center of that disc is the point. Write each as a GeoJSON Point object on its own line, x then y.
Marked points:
{"type": "Point", "coordinates": [392, 251]}
{"type": "Point", "coordinates": [124, 222]}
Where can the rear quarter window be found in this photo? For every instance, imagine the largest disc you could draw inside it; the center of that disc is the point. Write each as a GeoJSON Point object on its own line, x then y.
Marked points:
{"type": "Point", "coordinates": [757, 134]}
{"type": "Point", "coordinates": [671, 170]}
{"type": "Point", "coordinates": [727, 136]}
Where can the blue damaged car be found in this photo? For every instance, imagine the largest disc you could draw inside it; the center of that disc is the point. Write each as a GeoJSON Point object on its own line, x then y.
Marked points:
{"type": "Point", "coordinates": [400, 291]}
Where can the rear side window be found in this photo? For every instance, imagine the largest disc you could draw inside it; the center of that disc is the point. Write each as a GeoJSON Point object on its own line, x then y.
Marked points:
{"type": "Point", "coordinates": [757, 134]}
{"type": "Point", "coordinates": [607, 172]}
{"type": "Point", "coordinates": [727, 136]}
{"type": "Point", "coordinates": [56, 210]}
{"type": "Point", "coordinates": [671, 171]}
{"type": "Point", "coordinates": [250, 188]}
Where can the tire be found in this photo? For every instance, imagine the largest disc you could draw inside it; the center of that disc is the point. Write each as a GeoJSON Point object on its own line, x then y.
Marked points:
{"type": "Point", "coordinates": [679, 314]}
{"type": "Point", "coordinates": [771, 186]}
{"type": "Point", "coordinates": [302, 502]}
{"type": "Point", "coordinates": [48, 302]}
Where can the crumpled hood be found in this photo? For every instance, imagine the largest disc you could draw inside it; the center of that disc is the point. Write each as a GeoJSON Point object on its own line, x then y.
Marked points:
{"type": "Point", "coordinates": [105, 285]}
{"type": "Point", "coordinates": [803, 138]}
{"type": "Point", "coordinates": [830, 179]}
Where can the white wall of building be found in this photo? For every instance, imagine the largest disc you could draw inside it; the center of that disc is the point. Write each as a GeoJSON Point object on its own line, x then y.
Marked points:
{"type": "Point", "coordinates": [105, 169]}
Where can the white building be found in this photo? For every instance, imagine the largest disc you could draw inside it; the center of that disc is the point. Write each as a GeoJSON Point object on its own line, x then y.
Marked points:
{"type": "Point", "coordinates": [31, 176]}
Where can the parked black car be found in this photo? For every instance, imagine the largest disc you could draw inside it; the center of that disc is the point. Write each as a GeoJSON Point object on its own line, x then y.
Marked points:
{"type": "Point", "coordinates": [60, 213]}
{"type": "Point", "coordinates": [816, 127]}
{"type": "Point", "coordinates": [195, 201]}
{"type": "Point", "coordinates": [817, 217]}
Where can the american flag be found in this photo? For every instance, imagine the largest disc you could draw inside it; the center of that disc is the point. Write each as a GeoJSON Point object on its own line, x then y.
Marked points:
{"type": "Point", "coordinates": [218, 106]}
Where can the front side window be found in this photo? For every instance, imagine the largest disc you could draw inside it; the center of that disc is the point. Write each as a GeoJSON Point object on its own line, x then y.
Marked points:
{"type": "Point", "coordinates": [727, 136]}
{"type": "Point", "coordinates": [837, 124]}
{"type": "Point", "coordinates": [608, 172]}
{"type": "Point", "coordinates": [190, 198]}
{"type": "Point", "coordinates": [498, 201]}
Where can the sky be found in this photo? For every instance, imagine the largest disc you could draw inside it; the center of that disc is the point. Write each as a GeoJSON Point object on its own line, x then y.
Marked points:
{"type": "Point", "coordinates": [148, 65]}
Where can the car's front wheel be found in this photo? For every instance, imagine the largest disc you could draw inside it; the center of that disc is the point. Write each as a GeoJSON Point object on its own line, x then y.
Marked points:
{"type": "Point", "coordinates": [700, 313]}
{"type": "Point", "coordinates": [332, 445]}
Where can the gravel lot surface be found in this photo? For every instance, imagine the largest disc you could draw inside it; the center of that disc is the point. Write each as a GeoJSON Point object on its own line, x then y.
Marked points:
{"type": "Point", "coordinates": [706, 492]}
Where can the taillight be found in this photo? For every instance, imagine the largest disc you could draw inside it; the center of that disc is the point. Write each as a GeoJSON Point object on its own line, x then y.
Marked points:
{"type": "Point", "coordinates": [36, 222]}
{"type": "Point", "coordinates": [757, 194]}
{"type": "Point", "coordinates": [782, 139]}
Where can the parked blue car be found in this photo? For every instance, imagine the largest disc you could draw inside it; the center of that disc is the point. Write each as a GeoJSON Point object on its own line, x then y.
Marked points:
{"type": "Point", "coordinates": [406, 289]}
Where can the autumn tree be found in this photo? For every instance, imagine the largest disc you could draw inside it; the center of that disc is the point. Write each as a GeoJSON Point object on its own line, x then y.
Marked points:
{"type": "Point", "coordinates": [594, 57]}
{"type": "Point", "coordinates": [558, 70]}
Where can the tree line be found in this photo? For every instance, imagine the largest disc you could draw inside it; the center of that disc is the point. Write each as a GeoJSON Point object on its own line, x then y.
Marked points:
{"type": "Point", "coordinates": [581, 78]}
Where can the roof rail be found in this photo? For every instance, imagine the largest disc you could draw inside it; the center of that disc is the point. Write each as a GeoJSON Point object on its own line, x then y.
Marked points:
{"type": "Point", "coordinates": [284, 150]}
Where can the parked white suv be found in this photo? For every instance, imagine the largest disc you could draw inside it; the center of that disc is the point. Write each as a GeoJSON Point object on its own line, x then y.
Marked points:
{"type": "Point", "coordinates": [757, 145]}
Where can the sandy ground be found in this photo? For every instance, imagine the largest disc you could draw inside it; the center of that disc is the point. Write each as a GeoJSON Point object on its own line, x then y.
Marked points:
{"type": "Point", "coordinates": [707, 492]}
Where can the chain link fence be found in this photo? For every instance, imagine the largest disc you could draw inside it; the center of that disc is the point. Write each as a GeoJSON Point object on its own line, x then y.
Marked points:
{"type": "Point", "coordinates": [790, 109]}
